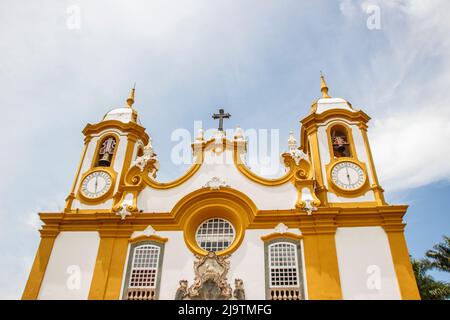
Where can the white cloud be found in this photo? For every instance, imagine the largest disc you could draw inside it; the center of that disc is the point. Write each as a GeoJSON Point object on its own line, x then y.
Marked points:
{"type": "Point", "coordinates": [412, 149]}
{"type": "Point", "coordinates": [410, 133]}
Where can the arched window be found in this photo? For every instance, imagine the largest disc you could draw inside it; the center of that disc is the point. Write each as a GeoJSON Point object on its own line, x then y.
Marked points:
{"type": "Point", "coordinates": [340, 142]}
{"type": "Point", "coordinates": [143, 271]}
{"type": "Point", "coordinates": [284, 279]}
{"type": "Point", "coordinates": [106, 152]}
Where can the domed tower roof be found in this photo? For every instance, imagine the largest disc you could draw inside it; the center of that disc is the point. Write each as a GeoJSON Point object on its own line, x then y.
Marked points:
{"type": "Point", "coordinates": [124, 114]}
{"type": "Point", "coordinates": [326, 102]}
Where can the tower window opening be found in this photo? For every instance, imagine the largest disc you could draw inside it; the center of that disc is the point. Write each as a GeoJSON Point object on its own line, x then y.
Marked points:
{"type": "Point", "coordinates": [140, 152]}
{"type": "Point", "coordinates": [106, 152]}
{"type": "Point", "coordinates": [340, 142]}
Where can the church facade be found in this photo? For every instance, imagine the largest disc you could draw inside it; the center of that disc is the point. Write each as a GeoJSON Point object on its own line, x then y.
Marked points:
{"type": "Point", "coordinates": [323, 230]}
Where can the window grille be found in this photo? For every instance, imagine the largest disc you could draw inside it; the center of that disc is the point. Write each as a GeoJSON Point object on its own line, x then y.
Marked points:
{"type": "Point", "coordinates": [215, 234]}
{"type": "Point", "coordinates": [144, 268]}
{"type": "Point", "coordinates": [283, 265]}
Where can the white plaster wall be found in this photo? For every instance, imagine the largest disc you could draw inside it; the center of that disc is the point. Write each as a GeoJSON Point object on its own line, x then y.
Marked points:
{"type": "Point", "coordinates": [246, 263]}
{"type": "Point", "coordinates": [264, 197]}
{"type": "Point", "coordinates": [100, 206]}
{"type": "Point", "coordinates": [361, 150]}
{"type": "Point", "coordinates": [325, 157]}
{"type": "Point", "coordinates": [368, 196]}
{"type": "Point", "coordinates": [87, 161]}
{"type": "Point", "coordinates": [177, 264]}
{"type": "Point", "coordinates": [77, 249]}
{"type": "Point", "coordinates": [364, 252]}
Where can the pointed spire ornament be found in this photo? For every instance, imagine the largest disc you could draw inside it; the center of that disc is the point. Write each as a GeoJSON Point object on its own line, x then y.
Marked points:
{"type": "Point", "coordinates": [292, 142]}
{"type": "Point", "coordinates": [130, 99]}
{"type": "Point", "coordinates": [200, 135]}
{"type": "Point", "coordinates": [239, 133]}
{"type": "Point", "coordinates": [323, 86]}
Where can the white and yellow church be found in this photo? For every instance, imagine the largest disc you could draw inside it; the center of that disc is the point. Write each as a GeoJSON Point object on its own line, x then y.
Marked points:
{"type": "Point", "coordinates": [320, 231]}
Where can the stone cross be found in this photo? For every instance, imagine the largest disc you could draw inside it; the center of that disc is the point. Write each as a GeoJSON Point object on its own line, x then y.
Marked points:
{"type": "Point", "coordinates": [221, 115]}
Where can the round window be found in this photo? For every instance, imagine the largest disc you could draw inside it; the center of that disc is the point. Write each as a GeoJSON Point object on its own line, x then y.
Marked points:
{"type": "Point", "coordinates": [215, 234]}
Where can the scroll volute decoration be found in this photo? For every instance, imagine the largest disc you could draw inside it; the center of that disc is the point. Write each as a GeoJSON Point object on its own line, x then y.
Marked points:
{"type": "Point", "coordinates": [135, 175]}
{"type": "Point", "coordinates": [133, 182]}
{"type": "Point", "coordinates": [303, 170]}
{"type": "Point", "coordinates": [299, 163]}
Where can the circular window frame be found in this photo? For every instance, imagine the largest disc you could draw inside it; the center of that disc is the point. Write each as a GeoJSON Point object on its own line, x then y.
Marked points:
{"type": "Point", "coordinates": [220, 219]}
{"type": "Point", "coordinates": [206, 212]}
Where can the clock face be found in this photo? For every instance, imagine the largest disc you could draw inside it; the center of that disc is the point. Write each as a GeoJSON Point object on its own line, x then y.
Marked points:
{"type": "Point", "coordinates": [96, 184]}
{"type": "Point", "coordinates": [348, 176]}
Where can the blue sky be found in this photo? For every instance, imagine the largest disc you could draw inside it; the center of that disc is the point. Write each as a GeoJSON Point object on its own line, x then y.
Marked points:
{"type": "Point", "coordinates": [258, 60]}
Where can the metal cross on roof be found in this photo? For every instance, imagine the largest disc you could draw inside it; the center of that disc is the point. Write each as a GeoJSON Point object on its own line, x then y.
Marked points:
{"type": "Point", "coordinates": [221, 115]}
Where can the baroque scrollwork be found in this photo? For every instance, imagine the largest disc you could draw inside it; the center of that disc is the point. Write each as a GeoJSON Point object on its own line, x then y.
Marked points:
{"type": "Point", "coordinates": [215, 183]}
{"type": "Point", "coordinates": [149, 154]}
{"type": "Point", "coordinates": [210, 282]}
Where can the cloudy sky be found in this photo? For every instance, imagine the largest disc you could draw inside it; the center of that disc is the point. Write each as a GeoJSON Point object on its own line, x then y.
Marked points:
{"type": "Point", "coordinates": [260, 60]}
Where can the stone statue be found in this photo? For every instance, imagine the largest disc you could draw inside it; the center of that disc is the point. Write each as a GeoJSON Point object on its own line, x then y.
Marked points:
{"type": "Point", "coordinates": [182, 290]}
{"type": "Point", "coordinates": [239, 293]}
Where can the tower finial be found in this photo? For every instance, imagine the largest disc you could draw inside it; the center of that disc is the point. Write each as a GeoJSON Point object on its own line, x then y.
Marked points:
{"type": "Point", "coordinates": [323, 86]}
{"type": "Point", "coordinates": [130, 100]}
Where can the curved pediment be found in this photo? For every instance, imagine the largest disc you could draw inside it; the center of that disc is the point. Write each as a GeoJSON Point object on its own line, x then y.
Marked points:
{"type": "Point", "coordinates": [218, 162]}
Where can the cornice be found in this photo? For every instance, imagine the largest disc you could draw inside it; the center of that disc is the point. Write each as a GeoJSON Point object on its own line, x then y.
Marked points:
{"type": "Point", "coordinates": [324, 220]}
{"type": "Point", "coordinates": [130, 127]}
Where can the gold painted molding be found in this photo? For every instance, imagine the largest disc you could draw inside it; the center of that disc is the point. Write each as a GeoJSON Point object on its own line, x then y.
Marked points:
{"type": "Point", "coordinates": [402, 264]}
{"type": "Point", "coordinates": [278, 235]}
{"type": "Point", "coordinates": [175, 183]}
{"type": "Point", "coordinates": [387, 216]}
{"type": "Point", "coordinates": [153, 237]}
{"type": "Point", "coordinates": [34, 282]}
{"type": "Point", "coordinates": [130, 127]}
{"type": "Point", "coordinates": [321, 266]}
{"type": "Point", "coordinates": [239, 163]}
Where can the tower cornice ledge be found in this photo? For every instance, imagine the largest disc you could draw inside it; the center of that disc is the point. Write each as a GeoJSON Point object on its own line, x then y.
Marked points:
{"type": "Point", "coordinates": [130, 127]}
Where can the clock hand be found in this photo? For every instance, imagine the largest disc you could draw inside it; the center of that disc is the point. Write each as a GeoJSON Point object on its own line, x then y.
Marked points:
{"type": "Point", "coordinates": [348, 176]}
{"type": "Point", "coordinates": [96, 184]}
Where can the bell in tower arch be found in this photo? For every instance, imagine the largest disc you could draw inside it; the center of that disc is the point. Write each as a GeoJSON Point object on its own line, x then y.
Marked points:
{"type": "Point", "coordinates": [106, 152]}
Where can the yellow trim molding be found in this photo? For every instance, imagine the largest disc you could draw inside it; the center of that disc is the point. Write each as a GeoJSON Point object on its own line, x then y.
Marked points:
{"type": "Point", "coordinates": [129, 127]}
{"type": "Point", "coordinates": [33, 286]}
{"type": "Point", "coordinates": [152, 237]}
{"type": "Point", "coordinates": [278, 235]}
{"type": "Point", "coordinates": [225, 203]}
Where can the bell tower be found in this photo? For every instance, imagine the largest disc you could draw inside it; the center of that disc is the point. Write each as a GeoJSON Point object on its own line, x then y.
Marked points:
{"type": "Point", "coordinates": [110, 146]}
{"type": "Point", "coordinates": [335, 137]}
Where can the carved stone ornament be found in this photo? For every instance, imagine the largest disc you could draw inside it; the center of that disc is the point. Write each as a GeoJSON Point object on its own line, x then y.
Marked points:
{"type": "Point", "coordinates": [148, 155]}
{"type": "Point", "coordinates": [298, 155]}
{"type": "Point", "coordinates": [309, 206]}
{"type": "Point", "coordinates": [210, 282]}
{"type": "Point", "coordinates": [215, 183]}
{"type": "Point", "coordinates": [281, 228]}
{"type": "Point", "coordinates": [124, 209]}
